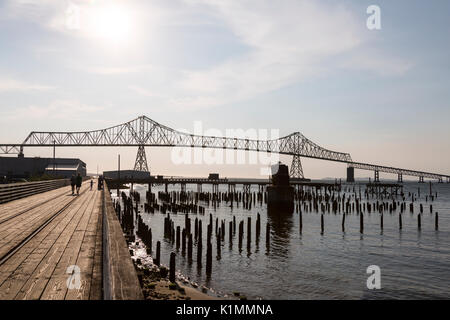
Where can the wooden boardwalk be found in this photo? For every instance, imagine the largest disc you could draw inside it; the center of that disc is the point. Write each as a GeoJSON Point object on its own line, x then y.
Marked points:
{"type": "Point", "coordinates": [46, 238]}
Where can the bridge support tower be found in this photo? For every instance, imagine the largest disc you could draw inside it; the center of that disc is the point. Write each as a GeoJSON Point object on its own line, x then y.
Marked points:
{"type": "Point", "coordinates": [377, 176]}
{"type": "Point", "coordinates": [400, 178]}
{"type": "Point", "coordinates": [421, 180]}
{"type": "Point", "coordinates": [141, 160]}
{"type": "Point", "coordinates": [296, 168]}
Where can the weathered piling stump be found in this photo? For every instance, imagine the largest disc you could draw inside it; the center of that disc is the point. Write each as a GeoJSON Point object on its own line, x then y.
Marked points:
{"type": "Point", "coordinates": [361, 223]}
{"type": "Point", "coordinates": [172, 268]}
{"type": "Point", "coordinates": [419, 221]}
{"type": "Point", "coordinates": [321, 224]}
{"type": "Point", "coordinates": [209, 258]}
{"type": "Point", "coordinates": [183, 242]}
{"type": "Point", "coordinates": [436, 222]}
{"type": "Point", "coordinates": [178, 238]}
{"type": "Point", "coordinates": [158, 253]}
{"type": "Point", "coordinates": [190, 247]}
{"type": "Point", "coordinates": [249, 231]}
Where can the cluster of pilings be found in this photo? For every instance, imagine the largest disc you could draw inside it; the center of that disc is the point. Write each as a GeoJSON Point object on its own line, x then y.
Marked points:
{"type": "Point", "coordinates": [189, 238]}
{"type": "Point", "coordinates": [345, 204]}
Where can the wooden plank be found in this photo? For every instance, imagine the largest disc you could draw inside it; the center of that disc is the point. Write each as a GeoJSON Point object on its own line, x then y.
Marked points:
{"type": "Point", "coordinates": [40, 258]}
{"type": "Point", "coordinates": [85, 259]}
{"type": "Point", "coordinates": [24, 204]}
{"type": "Point", "coordinates": [123, 283]}
{"type": "Point", "coordinates": [17, 229]}
{"type": "Point", "coordinates": [68, 241]}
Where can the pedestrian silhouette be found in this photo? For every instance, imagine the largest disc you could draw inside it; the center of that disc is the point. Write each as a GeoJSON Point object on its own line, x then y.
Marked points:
{"type": "Point", "coordinates": [79, 180]}
{"type": "Point", "coordinates": [73, 182]}
{"type": "Point", "coordinates": [92, 183]}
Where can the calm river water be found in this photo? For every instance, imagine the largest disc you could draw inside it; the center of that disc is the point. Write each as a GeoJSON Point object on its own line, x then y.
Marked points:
{"type": "Point", "coordinates": [414, 263]}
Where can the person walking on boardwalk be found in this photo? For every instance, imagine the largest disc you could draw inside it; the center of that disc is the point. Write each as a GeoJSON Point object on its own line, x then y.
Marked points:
{"type": "Point", "coordinates": [79, 180]}
{"type": "Point", "coordinates": [92, 183]}
{"type": "Point", "coordinates": [73, 182]}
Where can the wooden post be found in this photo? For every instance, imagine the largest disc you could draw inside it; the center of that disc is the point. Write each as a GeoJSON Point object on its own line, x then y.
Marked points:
{"type": "Point", "coordinates": [178, 238]}
{"type": "Point", "coordinates": [436, 222]}
{"type": "Point", "coordinates": [218, 246]}
{"type": "Point", "coordinates": [208, 258]}
{"type": "Point", "coordinates": [249, 231]}
{"type": "Point", "coordinates": [343, 221]}
{"type": "Point", "coordinates": [230, 234]}
{"type": "Point", "coordinates": [190, 247]}
{"type": "Point", "coordinates": [400, 221]}
{"type": "Point", "coordinates": [381, 221]}
{"type": "Point", "coordinates": [241, 231]}
{"type": "Point", "coordinates": [172, 268]}
{"type": "Point", "coordinates": [267, 234]}
{"type": "Point", "coordinates": [199, 253]}
{"type": "Point", "coordinates": [361, 223]}
{"type": "Point", "coordinates": [419, 222]}
{"type": "Point", "coordinates": [183, 241]}
{"type": "Point", "coordinates": [300, 221]}
{"type": "Point", "coordinates": [321, 224]}
{"type": "Point", "coordinates": [158, 253]}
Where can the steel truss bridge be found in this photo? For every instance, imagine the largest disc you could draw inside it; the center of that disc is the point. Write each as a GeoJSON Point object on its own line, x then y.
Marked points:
{"type": "Point", "coordinates": [143, 132]}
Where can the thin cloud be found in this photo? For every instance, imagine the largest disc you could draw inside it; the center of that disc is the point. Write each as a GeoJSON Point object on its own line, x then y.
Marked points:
{"type": "Point", "coordinates": [58, 109]}
{"type": "Point", "coordinates": [7, 84]}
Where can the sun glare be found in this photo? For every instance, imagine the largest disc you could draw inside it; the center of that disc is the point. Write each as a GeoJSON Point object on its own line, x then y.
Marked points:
{"type": "Point", "coordinates": [113, 24]}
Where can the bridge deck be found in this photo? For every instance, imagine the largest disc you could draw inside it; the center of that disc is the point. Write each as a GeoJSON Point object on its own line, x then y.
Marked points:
{"type": "Point", "coordinates": [42, 235]}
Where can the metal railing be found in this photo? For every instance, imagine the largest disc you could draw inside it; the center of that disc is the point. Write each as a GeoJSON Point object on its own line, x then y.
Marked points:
{"type": "Point", "coordinates": [14, 191]}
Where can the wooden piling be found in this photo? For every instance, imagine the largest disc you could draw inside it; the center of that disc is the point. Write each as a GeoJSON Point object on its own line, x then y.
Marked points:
{"type": "Point", "coordinates": [158, 253]}
{"type": "Point", "coordinates": [190, 247]}
{"type": "Point", "coordinates": [361, 223]}
{"type": "Point", "coordinates": [172, 268]}
{"type": "Point", "coordinates": [419, 222]}
{"type": "Point", "coordinates": [178, 238]}
{"type": "Point", "coordinates": [208, 258]}
{"type": "Point", "coordinates": [436, 222]}
{"type": "Point", "coordinates": [321, 224]}
{"type": "Point", "coordinates": [183, 241]}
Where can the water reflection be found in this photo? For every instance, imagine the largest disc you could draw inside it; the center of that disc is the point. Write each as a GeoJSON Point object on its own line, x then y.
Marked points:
{"type": "Point", "coordinates": [281, 224]}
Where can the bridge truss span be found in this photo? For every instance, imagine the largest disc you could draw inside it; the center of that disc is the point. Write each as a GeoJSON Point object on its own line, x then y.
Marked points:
{"type": "Point", "coordinates": [144, 131]}
{"type": "Point", "coordinates": [400, 172]}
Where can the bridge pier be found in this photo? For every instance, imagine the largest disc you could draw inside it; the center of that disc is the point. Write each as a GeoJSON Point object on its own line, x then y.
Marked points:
{"type": "Point", "coordinates": [350, 174]}
{"type": "Point", "coordinates": [246, 187]}
{"type": "Point", "coordinates": [183, 187]}
{"type": "Point", "coordinates": [231, 187]}
{"type": "Point", "coordinates": [448, 179]}
{"type": "Point", "coordinates": [400, 178]}
{"type": "Point", "coordinates": [440, 180]}
{"type": "Point", "coordinates": [199, 187]}
{"type": "Point", "coordinates": [421, 179]}
{"type": "Point", "coordinates": [166, 187]}
{"type": "Point", "coordinates": [215, 187]}
{"type": "Point", "coordinates": [377, 176]}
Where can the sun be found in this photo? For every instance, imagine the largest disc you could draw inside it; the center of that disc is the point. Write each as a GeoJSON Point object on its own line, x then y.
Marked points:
{"type": "Point", "coordinates": [113, 24]}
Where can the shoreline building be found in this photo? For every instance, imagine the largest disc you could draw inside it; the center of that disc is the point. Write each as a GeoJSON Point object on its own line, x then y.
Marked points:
{"type": "Point", "coordinates": [21, 167]}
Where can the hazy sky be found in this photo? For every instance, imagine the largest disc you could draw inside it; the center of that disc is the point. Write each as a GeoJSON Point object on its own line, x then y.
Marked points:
{"type": "Point", "coordinates": [308, 66]}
